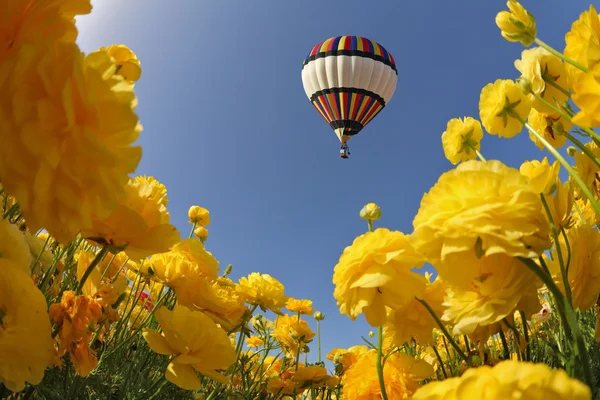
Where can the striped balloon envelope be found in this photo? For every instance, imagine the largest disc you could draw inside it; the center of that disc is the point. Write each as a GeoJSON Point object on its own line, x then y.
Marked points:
{"type": "Point", "coordinates": [349, 80]}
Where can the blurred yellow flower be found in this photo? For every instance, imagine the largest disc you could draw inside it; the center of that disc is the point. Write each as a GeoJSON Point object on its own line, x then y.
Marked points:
{"type": "Point", "coordinates": [501, 105]}
{"type": "Point", "coordinates": [540, 66]}
{"type": "Point", "coordinates": [375, 272]}
{"type": "Point", "coordinates": [201, 233]}
{"type": "Point", "coordinates": [586, 168]}
{"type": "Point", "coordinates": [299, 306]}
{"type": "Point", "coordinates": [264, 291]}
{"type": "Point", "coordinates": [100, 285]}
{"type": "Point", "coordinates": [26, 345]}
{"type": "Point", "coordinates": [199, 216]}
{"type": "Point", "coordinates": [516, 25]}
{"type": "Point", "coordinates": [583, 43]}
{"type": "Point", "coordinates": [139, 225]}
{"type": "Point", "coordinates": [480, 207]}
{"type": "Point", "coordinates": [551, 127]}
{"type": "Point", "coordinates": [254, 341]}
{"type": "Point", "coordinates": [292, 333]}
{"type": "Point", "coordinates": [66, 138]}
{"type": "Point", "coordinates": [187, 259]}
{"type": "Point", "coordinates": [507, 380]}
{"type": "Point", "coordinates": [413, 321]}
{"type": "Point", "coordinates": [586, 95]}
{"type": "Point", "coordinates": [402, 375]}
{"type": "Point", "coordinates": [195, 342]}
{"type": "Point", "coordinates": [541, 174]}
{"type": "Point", "coordinates": [29, 22]}
{"type": "Point", "coordinates": [39, 248]}
{"type": "Point", "coordinates": [498, 282]}
{"type": "Point", "coordinates": [561, 205]}
{"type": "Point", "coordinates": [345, 358]}
{"type": "Point", "coordinates": [461, 139]}
{"type": "Point", "coordinates": [584, 268]}
{"type": "Point", "coordinates": [127, 63]}
{"type": "Point", "coordinates": [13, 247]}
{"type": "Point", "coordinates": [314, 376]}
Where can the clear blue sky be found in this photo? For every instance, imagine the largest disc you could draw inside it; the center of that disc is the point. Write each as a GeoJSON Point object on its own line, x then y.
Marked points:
{"type": "Point", "coordinates": [227, 124]}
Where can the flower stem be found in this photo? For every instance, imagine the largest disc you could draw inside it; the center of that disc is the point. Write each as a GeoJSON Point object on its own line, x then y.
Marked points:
{"type": "Point", "coordinates": [565, 164]}
{"type": "Point", "coordinates": [90, 268]}
{"type": "Point", "coordinates": [437, 354]}
{"type": "Point", "coordinates": [481, 157]}
{"type": "Point", "coordinates": [526, 335]}
{"type": "Point", "coordinates": [444, 330]}
{"type": "Point", "coordinates": [559, 54]}
{"type": "Point", "coordinates": [582, 147]}
{"type": "Point", "coordinates": [192, 231]}
{"type": "Point", "coordinates": [551, 82]}
{"type": "Point", "coordinates": [319, 339]}
{"type": "Point", "coordinates": [379, 363]}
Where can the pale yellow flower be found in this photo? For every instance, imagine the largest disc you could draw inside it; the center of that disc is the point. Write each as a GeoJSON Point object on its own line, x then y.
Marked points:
{"type": "Point", "coordinates": [502, 107]}
{"type": "Point", "coordinates": [541, 174]}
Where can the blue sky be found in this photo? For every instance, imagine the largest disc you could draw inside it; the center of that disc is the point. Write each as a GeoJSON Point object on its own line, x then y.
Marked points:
{"type": "Point", "coordinates": [227, 124]}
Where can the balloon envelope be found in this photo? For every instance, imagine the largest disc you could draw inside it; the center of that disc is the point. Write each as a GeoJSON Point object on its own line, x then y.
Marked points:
{"type": "Point", "coordinates": [349, 80]}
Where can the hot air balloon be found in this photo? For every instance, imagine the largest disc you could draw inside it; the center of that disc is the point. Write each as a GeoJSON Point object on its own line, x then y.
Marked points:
{"type": "Point", "coordinates": [349, 80]}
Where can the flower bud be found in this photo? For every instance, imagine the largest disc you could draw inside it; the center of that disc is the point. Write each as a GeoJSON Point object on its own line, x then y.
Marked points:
{"type": "Point", "coordinates": [517, 25]}
{"type": "Point", "coordinates": [227, 270]}
{"type": "Point", "coordinates": [571, 151]}
{"type": "Point", "coordinates": [199, 216]}
{"type": "Point", "coordinates": [371, 334]}
{"type": "Point", "coordinates": [524, 84]}
{"type": "Point", "coordinates": [201, 233]}
{"type": "Point", "coordinates": [319, 316]}
{"type": "Point", "coordinates": [370, 212]}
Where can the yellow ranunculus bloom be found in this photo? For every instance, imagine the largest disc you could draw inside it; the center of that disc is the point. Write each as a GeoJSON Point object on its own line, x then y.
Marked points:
{"type": "Point", "coordinates": [583, 43]}
{"type": "Point", "coordinates": [541, 174]}
{"type": "Point", "coordinates": [561, 205]}
{"type": "Point", "coordinates": [195, 342]}
{"type": "Point", "coordinates": [139, 225]}
{"type": "Point", "coordinates": [402, 374]}
{"type": "Point", "coordinates": [461, 139]}
{"type": "Point", "coordinates": [517, 25]}
{"type": "Point", "coordinates": [67, 138]}
{"type": "Point", "coordinates": [127, 63]}
{"type": "Point", "coordinates": [13, 246]}
{"type": "Point", "coordinates": [584, 268]}
{"type": "Point", "coordinates": [507, 380]}
{"type": "Point", "coordinates": [254, 341]}
{"type": "Point", "coordinates": [551, 127]}
{"type": "Point", "coordinates": [538, 65]}
{"type": "Point", "coordinates": [481, 207]}
{"type": "Point", "coordinates": [586, 168]}
{"type": "Point", "coordinates": [26, 345]}
{"type": "Point", "coordinates": [375, 272]}
{"type": "Point", "coordinates": [263, 290]}
{"type": "Point", "coordinates": [586, 95]}
{"type": "Point", "coordinates": [201, 233]}
{"type": "Point", "coordinates": [346, 357]}
{"type": "Point", "coordinates": [292, 333]}
{"type": "Point", "coordinates": [299, 306]}
{"type": "Point", "coordinates": [370, 212]}
{"type": "Point", "coordinates": [199, 216]}
{"type": "Point", "coordinates": [500, 103]}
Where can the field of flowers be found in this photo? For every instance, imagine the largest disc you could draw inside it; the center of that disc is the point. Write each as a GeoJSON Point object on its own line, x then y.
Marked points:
{"type": "Point", "coordinates": [102, 298]}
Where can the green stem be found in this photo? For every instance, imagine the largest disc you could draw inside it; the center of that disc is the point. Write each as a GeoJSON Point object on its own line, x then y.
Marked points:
{"type": "Point", "coordinates": [379, 363]}
{"type": "Point", "coordinates": [319, 339]}
{"type": "Point", "coordinates": [559, 54]}
{"type": "Point", "coordinates": [437, 354]}
{"type": "Point", "coordinates": [564, 163]}
{"type": "Point", "coordinates": [551, 82]}
{"type": "Point", "coordinates": [467, 344]}
{"type": "Point", "coordinates": [90, 268]}
{"type": "Point", "coordinates": [504, 344]}
{"type": "Point", "coordinates": [583, 148]}
{"type": "Point", "coordinates": [192, 231]}
{"type": "Point", "coordinates": [481, 157]}
{"type": "Point", "coordinates": [526, 335]}
{"type": "Point", "coordinates": [559, 254]}
{"type": "Point", "coordinates": [444, 330]}
{"type": "Point", "coordinates": [370, 225]}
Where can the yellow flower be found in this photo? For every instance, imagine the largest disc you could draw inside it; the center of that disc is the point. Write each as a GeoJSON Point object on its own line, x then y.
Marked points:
{"type": "Point", "coordinates": [561, 205]}
{"type": "Point", "coordinates": [517, 25]}
{"type": "Point", "coordinates": [584, 268]}
{"type": "Point", "coordinates": [228, 309]}
{"type": "Point", "coordinates": [497, 284]}
{"type": "Point", "coordinates": [502, 106]}
{"type": "Point", "coordinates": [313, 376]}
{"type": "Point", "coordinates": [263, 290]}
{"type": "Point", "coordinates": [299, 306]}
{"type": "Point", "coordinates": [13, 247]}
{"type": "Point", "coordinates": [292, 333]}
{"type": "Point", "coordinates": [461, 139]}
{"type": "Point", "coordinates": [586, 95]}
{"type": "Point", "coordinates": [401, 373]}
{"type": "Point", "coordinates": [29, 22]}
{"type": "Point", "coordinates": [66, 137]}
{"type": "Point", "coordinates": [39, 247]}
{"type": "Point", "coordinates": [507, 380]}
{"type": "Point", "coordinates": [551, 127]}
{"type": "Point", "coordinates": [583, 43]}
{"type": "Point", "coordinates": [413, 321]}
{"type": "Point", "coordinates": [346, 358]}
{"type": "Point", "coordinates": [101, 285]}
{"type": "Point", "coordinates": [541, 174]}
{"type": "Point", "coordinates": [187, 259]}
{"type": "Point", "coordinates": [195, 342]}
{"type": "Point", "coordinates": [201, 233]}
{"type": "Point", "coordinates": [254, 341]}
{"type": "Point", "coordinates": [127, 63]}
{"type": "Point", "coordinates": [26, 345]}
{"type": "Point", "coordinates": [370, 212]}
{"type": "Point", "coordinates": [319, 316]}
{"type": "Point", "coordinates": [586, 168]}
{"type": "Point", "coordinates": [139, 225]}
{"type": "Point", "coordinates": [199, 216]}
{"type": "Point", "coordinates": [375, 272]}
{"type": "Point", "coordinates": [588, 214]}
{"type": "Point", "coordinates": [483, 207]}
{"type": "Point", "coordinates": [538, 65]}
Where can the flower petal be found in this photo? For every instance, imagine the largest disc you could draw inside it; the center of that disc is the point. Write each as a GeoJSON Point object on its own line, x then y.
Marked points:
{"type": "Point", "coordinates": [157, 342]}
{"type": "Point", "coordinates": [183, 376]}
